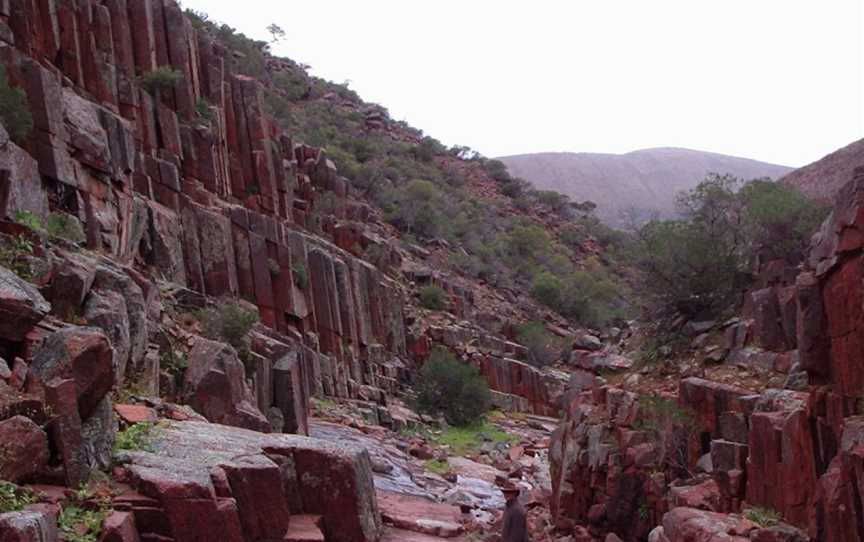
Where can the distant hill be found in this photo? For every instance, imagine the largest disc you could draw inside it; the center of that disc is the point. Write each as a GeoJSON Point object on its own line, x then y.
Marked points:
{"type": "Point", "coordinates": [645, 180]}
{"type": "Point", "coordinates": [823, 178]}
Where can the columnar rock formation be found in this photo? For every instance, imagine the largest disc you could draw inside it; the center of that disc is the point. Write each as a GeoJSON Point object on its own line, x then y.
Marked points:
{"type": "Point", "coordinates": [797, 451]}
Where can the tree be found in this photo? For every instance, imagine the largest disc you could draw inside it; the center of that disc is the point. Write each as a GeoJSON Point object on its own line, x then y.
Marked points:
{"type": "Point", "coordinates": [696, 265]}
{"type": "Point", "coordinates": [453, 389]}
{"type": "Point", "coordinates": [276, 32]}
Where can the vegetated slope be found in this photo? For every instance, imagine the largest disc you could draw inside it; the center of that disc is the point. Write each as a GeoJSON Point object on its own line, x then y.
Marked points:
{"type": "Point", "coordinates": [645, 180]}
{"type": "Point", "coordinates": [824, 177]}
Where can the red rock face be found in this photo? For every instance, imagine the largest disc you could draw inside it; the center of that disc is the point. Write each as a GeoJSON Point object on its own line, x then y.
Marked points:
{"type": "Point", "coordinates": [23, 448]}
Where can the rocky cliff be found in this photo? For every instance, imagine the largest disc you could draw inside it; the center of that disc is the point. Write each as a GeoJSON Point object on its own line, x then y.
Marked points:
{"type": "Point", "coordinates": [133, 205]}
{"type": "Point", "coordinates": [726, 455]}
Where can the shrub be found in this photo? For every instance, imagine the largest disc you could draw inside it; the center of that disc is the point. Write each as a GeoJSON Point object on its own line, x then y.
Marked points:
{"type": "Point", "coordinates": [204, 109]}
{"type": "Point", "coordinates": [80, 525]}
{"type": "Point", "coordinates": [14, 255]}
{"type": "Point", "coordinates": [763, 517]}
{"type": "Point", "coordinates": [162, 78]}
{"type": "Point", "coordinates": [228, 322]}
{"type": "Point", "coordinates": [543, 347]}
{"type": "Point", "coordinates": [301, 276]}
{"type": "Point", "coordinates": [14, 498]}
{"type": "Point", "coordinates": [134, 437]}
{"type": "Point", "coordinates": [497, 170]}
{"type": "Point", "coordinates": [433, 297]}
{"type": "Point", "coordinates": [29, 219]}
{"type": "Point", "coordinates": [670, 426]}
{"type": "Point", "coordinates": [65, 226]}
{"type": "Point", "coordinates": [452, 388]}
{"type": "Point", "coordinates": [14, 110]}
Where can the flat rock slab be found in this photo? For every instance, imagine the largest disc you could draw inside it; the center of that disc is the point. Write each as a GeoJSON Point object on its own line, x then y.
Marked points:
{"type": "Point", "coordinates": [400, 535]}
{"type": "Point", "coordinates": [419, 515]}
{"type": "Point", "coordinates": [234, 484]}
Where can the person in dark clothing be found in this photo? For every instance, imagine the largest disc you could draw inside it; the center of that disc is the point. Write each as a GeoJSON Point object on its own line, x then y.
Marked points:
{"type": "Point", "coordinates": [515, 523]}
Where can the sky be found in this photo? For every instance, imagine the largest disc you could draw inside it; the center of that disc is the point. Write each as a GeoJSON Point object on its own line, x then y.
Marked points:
{"type": "Point", "coordinates": [773, 80]}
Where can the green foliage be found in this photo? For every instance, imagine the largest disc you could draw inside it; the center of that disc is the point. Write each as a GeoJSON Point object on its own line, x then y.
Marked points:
{"type": "Point", "coordinates": [697, 264]}
{"type": "Point", "coordinates": [428, 148]}
{"type": "Point", "coordinates": [558, 203]}
{"type": "Point", "coordinates": [670, 426]}
{"type": "Point", "coordinates": [452, 388]}
{"type": "Point", "coordinates": [778, 220]}
{"type": "Point", "coordinates": [80, 524]}
{"type": "Point", "coordinates": [276, 31]}
{"type": "Point", "coordinates": [14, 498]}
{"type": "Point", "coordinates": [301, 276]}
{"type": "Point", "coordinates": [763, 517]}
{"type": "Point", "coordinates": [433, 297]}
{"type": "Point", "coordinates": [29, 219]}
{"type": "Point", "coordinates": [134, 437]}
{"type": "Point", "coordinates": [497, 170]}
{"type": "Point", "coordinates": [14, 254]}
{"type": "Point", "coordinates": [229, 322]}
{"type": "Point", "coordinates": [438, 466]}
{"type": "Point", "coordinates": [65, 226]}
{"type": "Point", "coordinates": [543, 347]}
{"type": "Point", "coordinates": [161, 78]}
{"type": "Point", "coordinates": [415, 208]}
{"type": "Point", "coordinates": [14, 110]}
{"type": "Point", "coordinates": [204, 109]}
{"type": "Point", "coordinates": [588, 296]}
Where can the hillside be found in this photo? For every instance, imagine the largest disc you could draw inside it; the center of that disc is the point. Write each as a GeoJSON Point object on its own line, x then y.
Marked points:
{"type": "Point", "coordinates": [239, 303]}
{"type": "Point", "coordinates": [825, 177]}
{"type": "Point", "coordinates": [646, 180]}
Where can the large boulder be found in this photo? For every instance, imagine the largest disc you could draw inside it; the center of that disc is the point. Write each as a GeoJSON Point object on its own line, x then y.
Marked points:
{"type": "Point", "coordinates": [23, 448]}
{"type": "Point", "coordinates": [692, 525]}
{"type": "Point", "coordinates": [214, 482]}
{"type": "Point", "coordinates": [83, 354]}
{"type": "Point", "coordinates": [28, 526]}
{"type": "Point", "coordinates": [21, 306]}
{"type": "Point", "coordinates": [215, 386]}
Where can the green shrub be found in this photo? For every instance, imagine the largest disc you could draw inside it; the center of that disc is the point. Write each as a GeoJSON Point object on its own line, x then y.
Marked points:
{"type": "Point", "coordinates": [763, 517]}
{"type": "Point", "coordinates": [14, 498]}
{"type": "Point", "coordinates": [543, 347]}
{"type": "Point", "coordinates": [134, 437]}
{"type": "Point", "coordinates": [29, 219]}
{"type": "Point", "coordinates": [670, 426]}
{"type": "Point", "coordinates": [14, 110]}
{"type": "Point", "coordinates": [65, 226]}
{"type": "Point", "coordinates": [454, 389]}
{"type": "Point", "coordinates": [228, 322]}
{"type": "Point", "coordinates": [204, 109]}
{"type": "Point", "coordinates": [162, 78]}
{"type": "Point", "coordinates": [433, 297]}
{"type": "Point", "coordinates": [80, 524]}
{"type": "Point", "coordinates": [14, 255]}
{"type": "Point", "coordinates": [301, 276]}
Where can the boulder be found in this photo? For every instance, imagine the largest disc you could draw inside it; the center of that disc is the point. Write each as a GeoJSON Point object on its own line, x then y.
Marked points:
{"type": "Point", "coordinates": [83, 354]}
{"type": "Point", "coordinates": [692, 525]}
{"type": "Point", "coordinates": [23, 449]}
{"type": "Point", "coordinates": [28, 526]}
{"type": "Point", "coordinates": [107, 311]}
{"type": "Point", "coordinates": [119, 527]}
{"type": "Point", "coordinates": [21, 306]}
{"type": "Point", "coordinates": [194, 469]}
{"type": "Point", "coordinates": [215, 386]}
{"type": "Point", "coordinates": [73, 276]}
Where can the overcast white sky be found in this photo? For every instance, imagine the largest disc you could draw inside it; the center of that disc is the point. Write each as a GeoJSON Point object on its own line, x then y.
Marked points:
{"type": "Point", "coordinates": [774, 80]}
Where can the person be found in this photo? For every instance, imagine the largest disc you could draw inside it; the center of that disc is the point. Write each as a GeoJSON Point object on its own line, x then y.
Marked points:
{"type": "Point", "coordinates": [515, 522]}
